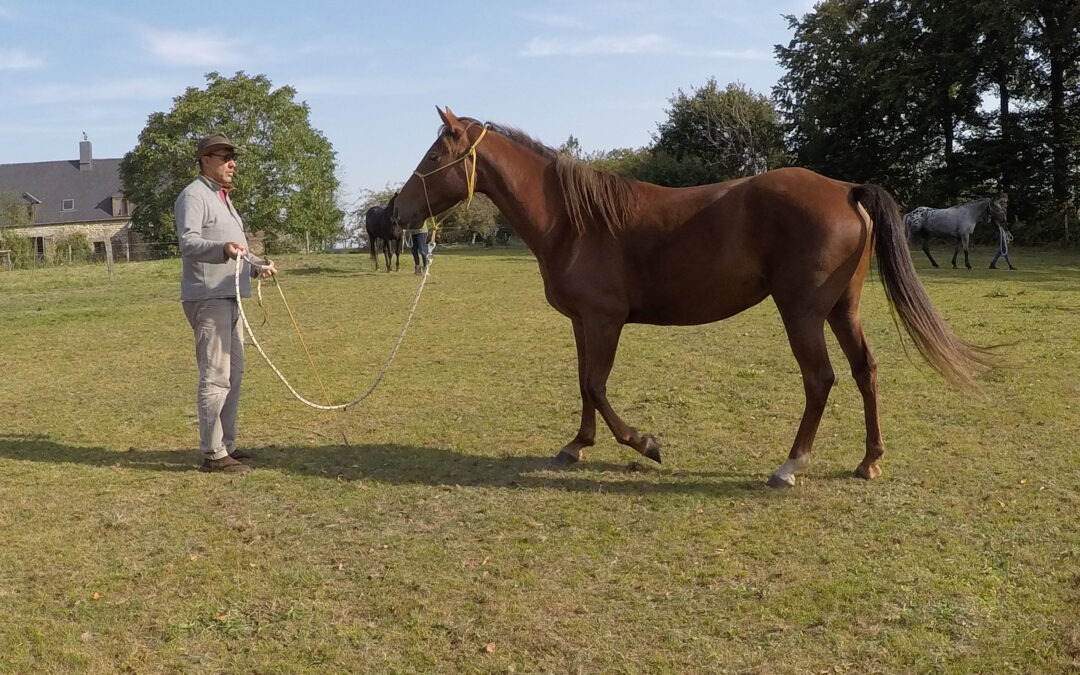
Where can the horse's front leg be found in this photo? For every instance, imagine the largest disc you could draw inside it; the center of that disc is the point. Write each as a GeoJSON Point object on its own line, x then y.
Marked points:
{"type": "Point", "coordinates": [601, 338]}
{"type": "Point", "coordinates": [965, 241]}
{"type": "Point", "coordinates": [586, 435]}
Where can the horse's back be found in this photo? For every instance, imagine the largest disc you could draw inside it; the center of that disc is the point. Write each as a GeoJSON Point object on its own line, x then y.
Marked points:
{"type": "Point", "coordinates": [779, 207]}
{"type": "Point", "coordinates": [781, 233]}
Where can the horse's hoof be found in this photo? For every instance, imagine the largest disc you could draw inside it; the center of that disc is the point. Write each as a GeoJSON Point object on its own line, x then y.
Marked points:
{"type": "Point", "coordinates": [564, 459]}
{"type": "Point", "coordinates": [867, 472]}
{"type": "Point", "coordinates": [775, 481]}
{"type": "Point", "coordinates": [652, 448]}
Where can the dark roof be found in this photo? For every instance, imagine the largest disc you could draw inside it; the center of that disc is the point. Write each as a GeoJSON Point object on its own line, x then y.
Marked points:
{"type": "Point", "coordinates": [53, 182]}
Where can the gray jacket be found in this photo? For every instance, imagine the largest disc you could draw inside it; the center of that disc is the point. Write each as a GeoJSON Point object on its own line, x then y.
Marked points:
{"type": "Point", "coordinates": [204, 224]}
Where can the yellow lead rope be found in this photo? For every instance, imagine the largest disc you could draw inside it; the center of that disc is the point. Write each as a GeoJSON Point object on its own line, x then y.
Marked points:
{"type": "Point", "coordinates": [378, 378]}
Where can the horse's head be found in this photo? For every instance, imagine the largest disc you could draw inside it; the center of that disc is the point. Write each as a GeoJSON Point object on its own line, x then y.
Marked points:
{"type": "Point", "coordinates": [999, 207]}
{"type": "Point", "coordinates": [445, 175]}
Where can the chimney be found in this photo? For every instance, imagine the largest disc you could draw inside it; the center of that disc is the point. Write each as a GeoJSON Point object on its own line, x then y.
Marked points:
{"type": "Point", "coordinates": [86, 159]}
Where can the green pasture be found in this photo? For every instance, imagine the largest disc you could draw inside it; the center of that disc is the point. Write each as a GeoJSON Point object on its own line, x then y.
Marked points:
{"type": "Point", "coordinates": [425, 532]}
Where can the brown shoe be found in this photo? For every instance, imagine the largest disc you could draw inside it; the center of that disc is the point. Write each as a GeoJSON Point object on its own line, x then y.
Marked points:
{"type": "Point", "coordinates": [240, 454]}
{"type": "Point", "coordinates": [224, 465]}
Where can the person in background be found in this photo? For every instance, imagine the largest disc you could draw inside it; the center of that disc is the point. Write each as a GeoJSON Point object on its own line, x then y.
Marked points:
{"type": "Point", "coordinates": [212, 243]}
{"type": "Point", "coordinates": [419, 237]}
{"type": "Point", "coordinates": [1004, 237]}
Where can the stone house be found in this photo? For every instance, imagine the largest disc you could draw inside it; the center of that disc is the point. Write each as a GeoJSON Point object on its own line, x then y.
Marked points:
{"type": "Point", "coordinates": [67, 197]}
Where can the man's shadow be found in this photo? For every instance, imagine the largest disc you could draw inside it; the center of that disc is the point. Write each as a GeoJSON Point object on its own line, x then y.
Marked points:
{"type": "Point", "coordinates": [409, 465]}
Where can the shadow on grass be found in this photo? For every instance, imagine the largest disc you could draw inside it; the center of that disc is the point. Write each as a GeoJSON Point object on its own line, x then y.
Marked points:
{"type": "Point", "coordinates": [319, 270]}
{"type": "Point", "coordinates": [409, 465]}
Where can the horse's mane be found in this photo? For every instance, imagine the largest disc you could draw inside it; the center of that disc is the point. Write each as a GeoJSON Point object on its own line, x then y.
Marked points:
{"type": "Point", "coordinates": [593, 198]}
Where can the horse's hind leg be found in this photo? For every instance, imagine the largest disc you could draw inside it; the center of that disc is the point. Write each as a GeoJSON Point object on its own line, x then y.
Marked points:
{"type": "Point", "coordinates": [806, 333]}
{"type": "Point", "coordinates": [961, 243]}
{"type": "Point", "coordinates": [926, 248]}
{"type": "Point", "coordinates": [847, 326]}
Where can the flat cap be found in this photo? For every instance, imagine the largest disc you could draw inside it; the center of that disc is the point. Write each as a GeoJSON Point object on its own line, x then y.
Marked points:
{"type": "Point", "coordinates": [214, 141]}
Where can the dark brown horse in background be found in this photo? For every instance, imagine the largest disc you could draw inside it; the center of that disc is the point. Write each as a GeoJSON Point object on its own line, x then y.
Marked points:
{"type": "Point", "coordinates": [384, 233]}
{"type": "Point", "coordinates": [614, 251]}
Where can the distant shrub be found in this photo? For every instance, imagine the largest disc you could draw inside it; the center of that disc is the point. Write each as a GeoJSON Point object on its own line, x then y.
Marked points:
{"type": "Point", "coordinates": [22, 250]}
{"type": "Point", "coordinates": [74, 248]}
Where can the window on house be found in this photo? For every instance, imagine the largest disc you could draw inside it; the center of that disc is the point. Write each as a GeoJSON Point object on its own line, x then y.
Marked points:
{"type": "Point", "coordinates": [67, 205]}
{"type": "Point", "coordinates": [120, 206]}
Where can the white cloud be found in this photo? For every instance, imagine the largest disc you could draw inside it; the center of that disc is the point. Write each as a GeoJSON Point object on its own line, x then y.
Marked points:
{"type": "Point", "coordinates": [599, 44]}
{"type": "Point", "coordinates": [135, 89]}
{"type": "Point", "coordinates": [193, 48]}
{"type": "Point", "coordinates": [555, 20]}
{"type": "Point", "coordinates": [18, 59]}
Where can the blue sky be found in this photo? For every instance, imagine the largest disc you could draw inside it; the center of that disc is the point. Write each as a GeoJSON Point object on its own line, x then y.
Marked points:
{"type": "Point", "coordinates": [373, 72]}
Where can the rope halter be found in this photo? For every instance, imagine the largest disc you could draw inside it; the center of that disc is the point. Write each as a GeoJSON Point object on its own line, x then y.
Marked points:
{"type": "Point", "coordinates": [470, 170]}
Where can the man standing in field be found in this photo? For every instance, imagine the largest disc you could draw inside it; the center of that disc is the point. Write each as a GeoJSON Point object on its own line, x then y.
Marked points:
{"type": "Point", "coordinates": [211, 235]}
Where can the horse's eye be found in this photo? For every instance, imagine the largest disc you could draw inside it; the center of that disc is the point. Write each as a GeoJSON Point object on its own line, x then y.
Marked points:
{"type": "Point", "coordinates": [432, 156]}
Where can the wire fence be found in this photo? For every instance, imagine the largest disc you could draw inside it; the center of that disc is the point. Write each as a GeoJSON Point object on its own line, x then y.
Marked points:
{"type": "Point", "coordinates": [99, 253]}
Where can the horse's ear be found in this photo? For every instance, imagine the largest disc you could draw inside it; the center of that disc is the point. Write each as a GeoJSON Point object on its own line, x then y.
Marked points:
{"type": "Point", "coordinates": [453, 124]}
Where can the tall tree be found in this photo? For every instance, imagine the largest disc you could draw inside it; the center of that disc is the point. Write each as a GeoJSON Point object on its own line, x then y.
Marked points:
{"type": "Point", "coordinates": [14, 211]}
{"type": "Point", "coordinates": [732, 132]}
{"type": "Point", "coordinates": [285, 182]}
{"type": "Point", "coordinates": [1057, 43]}
{"type": "Point", "coordinates": [831, 109]}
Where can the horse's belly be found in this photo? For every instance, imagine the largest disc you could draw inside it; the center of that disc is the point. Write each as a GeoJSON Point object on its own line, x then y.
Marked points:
{"type": "Point", "coordinates": [692, 308]}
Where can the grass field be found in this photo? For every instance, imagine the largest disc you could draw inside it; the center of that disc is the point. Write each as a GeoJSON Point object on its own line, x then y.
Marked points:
{"type": "Point", "coordinates": [424, 531]}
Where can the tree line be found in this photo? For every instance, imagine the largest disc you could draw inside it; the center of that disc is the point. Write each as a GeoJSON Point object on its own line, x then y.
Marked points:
{"type": "Point", "coordinates": [938, 101]}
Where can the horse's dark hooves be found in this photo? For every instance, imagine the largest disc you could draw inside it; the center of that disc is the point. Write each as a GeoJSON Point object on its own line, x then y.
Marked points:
{"type": "Point", "coordinates": [867, 472]}
{"type": "Point", "coordinates": [564, 459]}
{"type": "Point", "coordinates": [778, 482]}
{"type": "Point", "coordinates": [652, 449]}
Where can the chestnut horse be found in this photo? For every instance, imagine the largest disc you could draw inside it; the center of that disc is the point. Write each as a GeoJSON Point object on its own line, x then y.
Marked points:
{"type": "Point", "coordinates": [613, 251]}
{"type": "Point", "coordinates": [384, 234]}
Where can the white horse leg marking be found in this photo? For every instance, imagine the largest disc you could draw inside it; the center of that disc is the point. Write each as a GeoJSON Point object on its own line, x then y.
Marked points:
{"type": "Point", "coordinates": [786, 472]}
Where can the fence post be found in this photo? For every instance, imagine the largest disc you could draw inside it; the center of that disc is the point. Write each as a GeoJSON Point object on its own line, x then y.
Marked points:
{"type": "Point", "coordinates": [109, 259]}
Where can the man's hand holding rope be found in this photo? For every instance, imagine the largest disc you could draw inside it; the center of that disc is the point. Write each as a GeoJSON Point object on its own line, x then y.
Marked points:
{"type": "Point", "coordinates": [237, 251]}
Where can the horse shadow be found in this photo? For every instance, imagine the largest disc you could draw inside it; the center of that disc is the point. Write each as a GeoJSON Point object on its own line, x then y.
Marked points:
{"type": "Point", "coordinates": [410, 465]}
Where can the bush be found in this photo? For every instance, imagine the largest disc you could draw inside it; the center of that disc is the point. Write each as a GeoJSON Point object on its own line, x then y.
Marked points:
{"type": "Point", "coordinates": [22, 250]}
{"type": "Point", "coordinates": [74, 248]}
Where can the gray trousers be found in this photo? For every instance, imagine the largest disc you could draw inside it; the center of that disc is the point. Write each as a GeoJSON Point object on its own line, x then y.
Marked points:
{"type": "Point", "coordinates": [219, 350]}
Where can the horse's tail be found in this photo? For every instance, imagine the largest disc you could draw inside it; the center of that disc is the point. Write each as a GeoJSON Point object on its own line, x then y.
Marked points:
{"type": "Point", "coordinates": [954, 358]}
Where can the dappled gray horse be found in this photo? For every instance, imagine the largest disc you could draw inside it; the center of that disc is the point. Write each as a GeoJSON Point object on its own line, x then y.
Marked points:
{"type": "Point", "coordinates": [956, 223]}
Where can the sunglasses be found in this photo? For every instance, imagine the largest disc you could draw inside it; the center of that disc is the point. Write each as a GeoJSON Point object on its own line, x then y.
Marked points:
{"type": "Point", "coordinates": [224, 156]}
